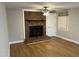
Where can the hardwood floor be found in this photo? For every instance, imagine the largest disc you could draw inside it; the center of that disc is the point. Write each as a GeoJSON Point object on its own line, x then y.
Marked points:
{"type": "Point", "coordinates": [52, 47]}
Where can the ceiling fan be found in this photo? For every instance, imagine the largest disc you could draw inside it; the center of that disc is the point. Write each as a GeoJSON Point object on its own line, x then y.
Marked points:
{"type": "Point", "coordinates": [46, 11]}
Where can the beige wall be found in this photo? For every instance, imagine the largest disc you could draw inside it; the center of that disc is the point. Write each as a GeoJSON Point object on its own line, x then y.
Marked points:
{"type": "Point", "coordinates": [72, 25]}
{"type": "Point", "coordinates": [15, 24]}
{"type": "Point", "coordinates": [4, 42]}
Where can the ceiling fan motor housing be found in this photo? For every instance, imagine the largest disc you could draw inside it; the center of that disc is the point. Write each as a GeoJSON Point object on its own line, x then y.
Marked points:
{"type": "Point", "coordinates": [45, 10]}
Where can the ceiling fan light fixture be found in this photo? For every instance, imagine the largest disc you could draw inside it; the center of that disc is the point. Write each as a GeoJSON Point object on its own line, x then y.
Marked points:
{"type": "Point", "coordinates": [45, 11]}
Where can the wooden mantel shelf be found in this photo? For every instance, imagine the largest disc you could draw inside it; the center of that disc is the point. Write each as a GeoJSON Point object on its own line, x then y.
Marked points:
{"type": "Point", "coordinates": [35, 20]}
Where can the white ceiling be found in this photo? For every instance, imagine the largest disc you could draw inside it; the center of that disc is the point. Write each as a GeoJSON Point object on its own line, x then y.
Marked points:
{"type": "Point", "coordinates": [40, 5]}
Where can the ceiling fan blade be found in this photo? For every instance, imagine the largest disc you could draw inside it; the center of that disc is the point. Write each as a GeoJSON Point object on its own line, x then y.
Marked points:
{"type": "Point", "coordinates": [53, 11]}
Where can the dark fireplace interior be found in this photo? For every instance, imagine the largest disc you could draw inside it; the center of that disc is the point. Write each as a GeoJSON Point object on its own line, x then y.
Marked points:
{"type": "Point", "coordinates": [36, 31]}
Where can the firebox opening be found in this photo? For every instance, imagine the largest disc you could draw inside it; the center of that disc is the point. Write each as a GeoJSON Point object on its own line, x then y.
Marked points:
{"type": "Point", "coordinates": [36, 31]}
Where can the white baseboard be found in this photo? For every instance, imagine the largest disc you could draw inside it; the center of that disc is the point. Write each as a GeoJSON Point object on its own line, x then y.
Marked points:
{"type": "Point", "coordinates": [14, 42]}
{"type": "Point", "coordinates": [67, 39]}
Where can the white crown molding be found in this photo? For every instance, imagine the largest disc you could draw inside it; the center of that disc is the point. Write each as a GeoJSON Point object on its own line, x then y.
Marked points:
{"type": "Point", "coordinates": [33, 10]}
{"type": "Point", "coordinates": [67, 39]}
{"type": "Point", "coordinates": [14, 42]}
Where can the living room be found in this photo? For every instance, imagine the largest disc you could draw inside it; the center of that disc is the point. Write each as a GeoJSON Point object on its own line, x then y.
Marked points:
{"type": "Point", "coordinates": [39, 29]}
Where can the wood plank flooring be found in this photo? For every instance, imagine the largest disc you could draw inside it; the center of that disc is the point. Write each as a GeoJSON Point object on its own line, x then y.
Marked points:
{"type": "Point", "coordinates": [54, 47]}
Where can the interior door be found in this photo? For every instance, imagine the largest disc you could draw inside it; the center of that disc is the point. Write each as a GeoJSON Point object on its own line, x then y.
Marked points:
{"type": "Point", "coordinates": [51, 24]}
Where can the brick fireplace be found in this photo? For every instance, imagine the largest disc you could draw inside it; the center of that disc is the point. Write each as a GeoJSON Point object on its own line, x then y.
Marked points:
{"type": "Point", "coordinates": [35, 26]}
